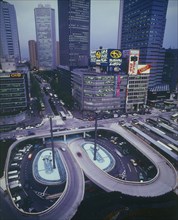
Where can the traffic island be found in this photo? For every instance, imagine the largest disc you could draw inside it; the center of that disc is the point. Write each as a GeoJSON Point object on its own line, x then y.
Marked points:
{"type": "Point", "coordinates": [43, 170]}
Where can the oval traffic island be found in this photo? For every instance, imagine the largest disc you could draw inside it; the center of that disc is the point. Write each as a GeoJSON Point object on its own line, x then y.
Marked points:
{"type": "Point", "coordinates": [43, 170]}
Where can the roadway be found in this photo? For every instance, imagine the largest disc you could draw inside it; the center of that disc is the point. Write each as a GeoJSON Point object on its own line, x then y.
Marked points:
{"type": "Point", "coordinates": [161, 184]}
{"type": "Point", "coordinates": [66, 206]}
{"type": "Point", "coordinates": [164, 182]}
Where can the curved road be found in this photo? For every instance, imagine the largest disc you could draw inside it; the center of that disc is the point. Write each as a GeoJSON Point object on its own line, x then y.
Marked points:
{"type": "Point", "coordinates": [164, 182]}
{"type": "Point", "coordinates": [65, 207]}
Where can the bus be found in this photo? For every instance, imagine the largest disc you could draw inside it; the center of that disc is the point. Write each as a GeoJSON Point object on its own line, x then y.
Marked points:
{"type": "Point", "coordinates": [13, 177]}
{"type": "Point", "coordinates": [63, 115]}
{"type": "Point", "coordinates": [174, 116]}
{"type": "Point", "coordinates": [62, 103]}
{"type": "Point", "coordinates": [15, 184]}
{"type": "Point", "coordinates": [152, 121]}
{"type": "Point", "coordinates": [69, 114]}
{"type": "Point", "coordinates": [13, 172]}
{"type": "Point", "coordinates": [173, 147]}
{"type": "Point", "coordinates": [164, 145]}
{"type": "Point", "coordinates": [166, 121]}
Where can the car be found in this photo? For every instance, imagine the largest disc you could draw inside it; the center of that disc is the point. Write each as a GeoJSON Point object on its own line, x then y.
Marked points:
{"type": "Point", "coordinates": [63, 148]}
{"type": "Point", "coordinates": [135, 121]}
{"type": "Point", "coordinates": [38, 125]}
{"type": "Point", "coordinates": [141, 178]}
{"type": "Point", "coordinates": [133, 162]}
{"type": "Point", "coordinates": [79, 154]}
{"type": "Point", "coordinates": [30, 156]}
{"type": "Point", "coordinates": [135, 114]}
{"type": "Point", "coordinates": [16, 199]}
{"type": "Point", "coordinates": [122, 122]}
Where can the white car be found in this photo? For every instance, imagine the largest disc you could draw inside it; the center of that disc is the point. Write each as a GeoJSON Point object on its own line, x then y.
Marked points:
{"type": "Point", "coordinates": [133, 162]}
{"type": "Point", "coordinates": [63, 148]}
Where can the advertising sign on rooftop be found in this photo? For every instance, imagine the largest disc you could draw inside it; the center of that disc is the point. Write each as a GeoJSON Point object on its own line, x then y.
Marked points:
{"type": "Point", "coordinates": [104, 57]}
{"type": "Point", "coordinates": [93, 57]}
{"type": "Point", "coordinates": [117, 83]}
{"type": "Point", "coordinates": [16, 75]}
{"type": "Point", "coordinates": [133, 62]}
{"type": "Point", "coordinates": [144, 68]}
{"type": "Point", "coordinates": [98, 57]}
{"type": "Point", "coordinates": [112, 58]}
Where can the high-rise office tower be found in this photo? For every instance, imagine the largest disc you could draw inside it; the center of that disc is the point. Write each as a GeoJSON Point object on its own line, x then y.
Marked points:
{"type": "Point", "coordinates": [74, 32]}
{"type": "Point", "coordinates": [9, 38]}
{"type": "Point", "coordinates": [33, 54]}
{"type": "Point", "coordinates": [57, 53]}
{"type": "Point", "coordinates": [45, 36]}
{"type": "Point", "coordinates": [141, 26]}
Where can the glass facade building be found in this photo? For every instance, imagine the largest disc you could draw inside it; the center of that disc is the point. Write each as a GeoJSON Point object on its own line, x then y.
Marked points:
{"type": "Point", "coordinates": [142, 26]}
{"type": "Point", "coordinates": [13, 93]}
{"type": "Point", "coordinates": [9, 38]}
{"type": "Point", "coordinates": [45, 37]}
{"type": "Point", "coordinates": [74, 32]}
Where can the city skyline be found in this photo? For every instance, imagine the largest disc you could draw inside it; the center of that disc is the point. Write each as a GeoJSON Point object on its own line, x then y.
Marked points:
{"type": "Point", "coordinates": [104, 23]}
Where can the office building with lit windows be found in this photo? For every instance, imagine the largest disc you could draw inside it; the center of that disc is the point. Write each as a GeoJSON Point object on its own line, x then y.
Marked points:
{"type": "Point", "coordinates": [13, 93]}
{"type": "Point", "coordinates": [74, 32]}
{"type": "Point", "coordinates": [142, 26]}
{"type": "Point", "coordinates": [14, 99]}
{"type": "Point", "coordinates": [9, 38]}
{"type": "Point", "coordinates": [98, 91]}
{"type": "Point", "coordinates": [45, 37]}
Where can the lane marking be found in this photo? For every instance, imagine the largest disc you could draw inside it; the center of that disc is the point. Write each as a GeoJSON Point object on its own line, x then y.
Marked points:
{"type": "Point", "coordinates": [129, 167]}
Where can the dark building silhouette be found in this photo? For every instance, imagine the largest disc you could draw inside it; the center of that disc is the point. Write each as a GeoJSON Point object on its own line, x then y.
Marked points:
{"type": "Point", "coordinates": [33, 54]}
{"type": "Point", "coordinates": [170, 75]}
{"type": "Point", "coordinates": [74, 32]}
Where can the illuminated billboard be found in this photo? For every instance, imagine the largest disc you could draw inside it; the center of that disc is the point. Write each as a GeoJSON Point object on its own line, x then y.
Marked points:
{"type": "Point", "coordinates": [117, 82]}
{"type": "Point", "coordinates": [114, 60]}
{"type": "Point", "coordinates": [144, 68]}
{"type": "Point", "coordinates": [133, 62]}
{"type": "Point", "coordinates": [104, 57]}
{"type": "Point", "coordinates": [93, 57]}
{"type": "Point", "coordinates": [16, 75]}
{"type": "Point", "coordinates": [98, 57]}
{"type": "Point", "coordinates": [110, 58]}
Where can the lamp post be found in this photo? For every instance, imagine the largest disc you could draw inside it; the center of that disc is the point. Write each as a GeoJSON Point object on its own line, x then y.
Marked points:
{"type": "Point", "coordinates": [51, 130]}
{"type": "Point", "coordinates": [95, 145]}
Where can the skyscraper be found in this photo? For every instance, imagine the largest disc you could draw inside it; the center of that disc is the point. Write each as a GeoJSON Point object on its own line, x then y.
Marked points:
{"type": "Point", "coordinates": [74, 32]}
{"type": "Point", "coordinates": [45, 36]}
{"type": "Point", "coordinates": [33, 54]}
{"type": "Point", "coordinates": [57, 53]}
{"type": "Point", "coordinates": [9, 38]}
{"type": "Point", "coordinates": [141, 26]}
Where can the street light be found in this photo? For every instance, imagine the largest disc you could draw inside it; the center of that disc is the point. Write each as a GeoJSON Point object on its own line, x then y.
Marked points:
{"type": "Point", "coordinates": [95, 145]}
{"type": "Point", "coordinates": [50, 118]}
